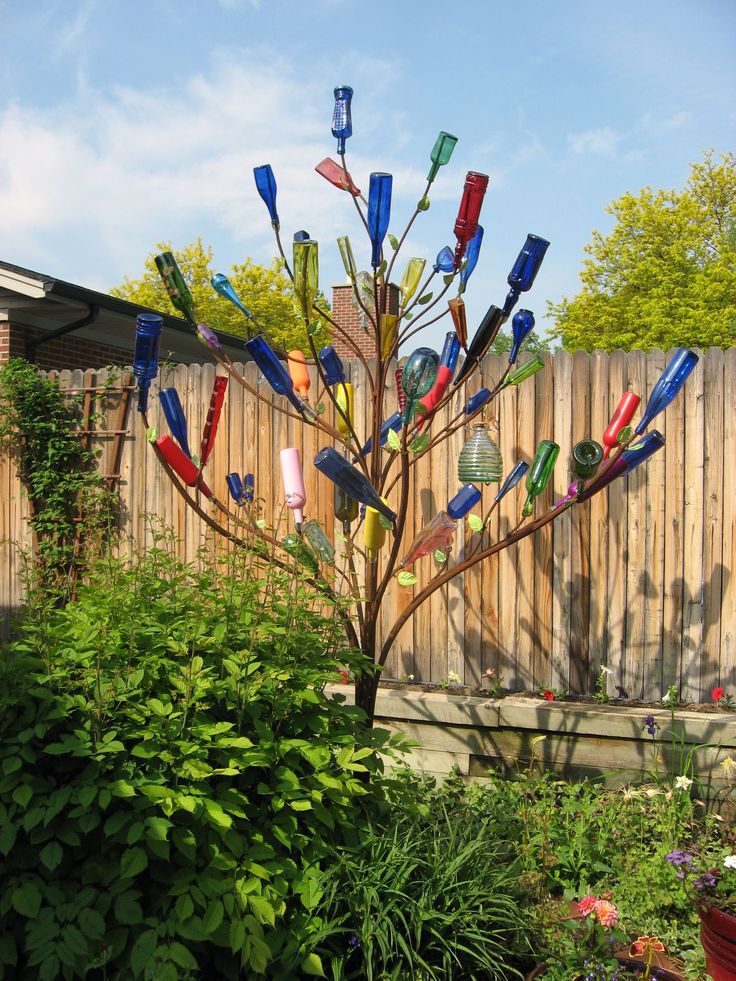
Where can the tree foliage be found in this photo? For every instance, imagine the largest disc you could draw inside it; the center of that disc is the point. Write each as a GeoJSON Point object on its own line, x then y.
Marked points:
{"type": "Point", "coordinates": [666, 274]}
{"type": "Point", "coordinates": [265, 290]}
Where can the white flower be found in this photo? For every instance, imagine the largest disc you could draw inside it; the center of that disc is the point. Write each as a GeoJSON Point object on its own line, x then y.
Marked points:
{"type": "Point", "coordinates": [682, 782]}
{"type": "Point", "coordinates": [605, 670]}
{"type": "Point", "coordinates": [730, 861]}
{"type": "Point", "coordinates": [453, 677]}
{"type": "Point", "coordinates": [729, 765]}
{"type": "Point", "coordinates": [666, 698]}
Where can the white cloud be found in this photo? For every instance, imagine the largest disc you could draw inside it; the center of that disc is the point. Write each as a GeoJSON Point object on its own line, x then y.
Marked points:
{"type": "Point", "coordinates": [603, 141]}
{"type": "Point", "coordinates": [677, 121]}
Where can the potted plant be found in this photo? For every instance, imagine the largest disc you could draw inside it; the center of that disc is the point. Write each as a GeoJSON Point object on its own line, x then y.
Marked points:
{"type": "Point", "coordinates": [712, 880]}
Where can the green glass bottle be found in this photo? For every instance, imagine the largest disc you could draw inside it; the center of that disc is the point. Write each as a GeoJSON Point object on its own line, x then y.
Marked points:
{"type": "Point", "coordinates": [300, 551]}
{"type": "Point", "coordinates": [587, 456]}
{"type": "Point", "coordinates": [348, 259]}
{"type": "Point", "coordinates": [410, 279]}
{"type": "Point", "coordinates": [539, 473]}
{"type": "Point", "coordinates": [524, 371]}
{"type": "Point", "coordinates": [346, 507]}
{"type": "Point", "coordinates": [441, 153]}
{"type": "Point", "coordinates": [321, 545]}
{"type": "Point", "coordinates": [176, 287]}
{"type": "Point", "coordinates": [306, 275]}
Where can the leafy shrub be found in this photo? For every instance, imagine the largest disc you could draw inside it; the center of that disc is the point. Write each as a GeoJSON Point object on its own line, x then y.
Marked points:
{"type": "Point", "coordinates": [170, 774]}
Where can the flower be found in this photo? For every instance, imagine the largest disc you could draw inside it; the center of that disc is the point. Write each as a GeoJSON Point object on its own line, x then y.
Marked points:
{"type": "Point", "coordinates": [729, 765]}
{"type": "Point", "coordinates": [605, 670]}
{"type": "Point", "coordinates": [717, 694]}
{"type": "Point", "coordinates": [650, 725]}
{"type": "Point", "coordinates": [730, 861]}
{"type": "Point", "coordinates": [549, 695]}
{"type": "Point", "coordinates": [666, 698]}
{"type": "Point", "coordinates": [489, 672]}
{"type": "Point", "coordinates": [453, 678]}
{"type": "Point", "coordinates": [587, 905]}
{"type": "Point", "coordinates": [682, 782]}
{"type": "Point", "coordinates": [344, 676]}
{"type": "Point", "coordinates": [646, 945]}
{"type": "Point", "coordinates": [606, 913]}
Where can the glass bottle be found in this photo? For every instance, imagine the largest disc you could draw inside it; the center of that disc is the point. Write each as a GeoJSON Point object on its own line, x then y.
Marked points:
{"type": "Point", "coordinates": [213, 418]}
{"type": "Point", "coordinates": [295, 495]}
{"type": "Point", "coordinates": [512, 480]}
{"type": "Point", "coordinates": [622, 416]}
{"type": "Point", "coordinates": [235, 487]}
{"type": "Point", "coordinates": [437, 534]}
{"type": "Point", "coordinates": [471, 258]}
{"type": "Point", "coordinates": [320, 543]}
{"type": "Point", "coordinates": [669, 384]}
{"type": "Point", "coordinates": [524, 371]}
{"type": "Point", "coordinates": [337, 176]}
{"type": "Point", "coordinates": [306, 275]}
{"type": "Point", "coordinates": [539, 473]}
{"type": "Point", "coordinates": [468, 213]}
{"type": "Point", "coordinates": [222, 285]}
{"type": "Point", "coordinates": [410, 279]}
{"type": "Point", "coordinates": [273, 371]}
{"type": "Point", "coordinates": [457, 312]}
{"type": "Point", "coordinates": [587, 456]}
{"type": "Point", "coordinates": [482, 340]}
{"type": "Point", "coordinates": [342, 122]}
{"type": "Point", "coordinates": [477, 401]}
{"type": "Point", "coordinates": [441, 153]}
{"type": "Point", "coordinates": [465, 500]}
{"type": "Point", "coordinates": [301, 552]}
{"type": "Point", "coordinates": [374, 534]}
{"type": "Point", "coordinates": [379, 213]}
{"type": "Point", "coordinates": [145, 359]}
{"type": "Point", "coordinates": [249, 487]}
{"type": "Point", "coordinates": [266, 187]}
{"type": "Point", "coordinates": [394, 423]}
{"type": "Point", "coordinates": [297, 365]}
{"type": "Point", "coordinates": [524, 270]}
{"type": "Point", "coordinates": [480, 459]}
{"type": "Point", "coordinates": [176, 287]}
{"type": "Point", "coordinates": [522, 325]}
{"type": "Point", "coordinates": [418, 376]}
{"type": "Point", "coordinates": [348, 259]}
{"type": "Point", "coordinates": [346, 507]}
{"type": "Point", "coordinates": [329, 462]}
{"type": "Point", "coordinates": [345, 398]}
{"type": "Point", "coordinates": [331, 365]}
{"type": "Point", "coordinates": [445, 261]}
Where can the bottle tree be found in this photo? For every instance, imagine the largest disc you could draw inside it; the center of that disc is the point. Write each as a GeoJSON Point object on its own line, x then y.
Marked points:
{"type": "Point", "coordinates": [367, 460]}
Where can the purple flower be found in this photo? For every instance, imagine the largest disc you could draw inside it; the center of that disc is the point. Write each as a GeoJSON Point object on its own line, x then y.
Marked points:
{"type": "Point", "coordinates": [679, 859]}
{"type": "Point", "coordinates": [706, 881]}
{"type": "Point", "coordinates": [354, 942]}
{"type": "Point", "coordinates": [650, 725]}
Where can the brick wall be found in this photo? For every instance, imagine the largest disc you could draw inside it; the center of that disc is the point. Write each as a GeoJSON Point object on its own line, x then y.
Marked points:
{"type": "Point", "coordinates": [67, 352]}
{"type": "Point", "coordinates": [351, 321]}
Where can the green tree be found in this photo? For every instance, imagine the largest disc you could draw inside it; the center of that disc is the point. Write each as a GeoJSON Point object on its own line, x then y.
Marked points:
{"type": "Point", "coordinates": [534, 344]}
{"type": "Point", "coordinates": [666, 274]}
{"type": "Point", "coordinates": [265, 290]}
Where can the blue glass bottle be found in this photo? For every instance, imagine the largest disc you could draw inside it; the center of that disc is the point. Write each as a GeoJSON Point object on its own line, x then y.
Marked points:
{"type": "Point", "coordinates": [445, 261]}
{"type": "Point", "coordinates": [640, 451]}
{"type": "Point", "coordinates": [525, 269]}
{"type": "Point", "coordinates": [669, 384]}
{"type": "Point", "coordinates": [342, 122]}
{"type": "Point", "coordinates": [512, 480]}
{"type": "Point", "coordinates": [301, 236]}
{"type": "Point", "coordinates": [477, 401]}
{"type": "Point", "coordinates": [465, 500]}
{"type": "Point", "coordinates": [471, 258]}
{"type": "Point", "coordinates": [235, 486]}
{"type": "Point", "coordinates": [171, 404]}
{"type": "Point", "coordinates": [266, 186]}
{"type": "Point", "coordinates": [522, 325]}
{"type": "Point", "coordinates": [222, 285]}
{"type": "Point", "coordinates": [450, 351]}
{"type": "Point", "coordinates": [355, 484]}
{"type": "Point", "coordinates": [394, 423]}
{"type": "Point", "coordinates": [331, 365]}
{"type": "Point", "coordinates": [273, 371]}
{"type": "Point", "coordinates": [249, 487]}
{"type": "Point", "coordinates": [379, 213]}
{"type": "Point", "coordinates": [145, 359]}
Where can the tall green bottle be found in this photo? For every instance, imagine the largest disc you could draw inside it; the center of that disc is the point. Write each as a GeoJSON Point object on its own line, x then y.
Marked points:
{"type": "Point", "coordinates": [539, 473]}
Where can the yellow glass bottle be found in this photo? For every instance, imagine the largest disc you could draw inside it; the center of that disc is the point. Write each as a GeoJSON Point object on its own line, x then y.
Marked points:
{"type": "Point", "coordinates": [345, 397]}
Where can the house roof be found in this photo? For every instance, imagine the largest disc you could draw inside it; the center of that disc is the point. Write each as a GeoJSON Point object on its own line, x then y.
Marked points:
{"type": "Point", "coordinates": [47, 303]}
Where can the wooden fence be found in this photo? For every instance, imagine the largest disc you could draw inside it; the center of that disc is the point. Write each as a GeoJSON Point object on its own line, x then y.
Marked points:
{"type": "Point", "coordinates": [640, 579]}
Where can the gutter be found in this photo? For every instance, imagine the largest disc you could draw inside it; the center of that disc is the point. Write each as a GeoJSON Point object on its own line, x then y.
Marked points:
{"type": "Point", "coordinates": [92, 314]}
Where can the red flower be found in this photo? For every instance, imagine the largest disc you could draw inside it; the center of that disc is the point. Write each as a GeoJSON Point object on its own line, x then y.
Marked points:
{"type": "Point", "coordinates": [646, 945]}
{"type": "Point", "coordinates": [549, 695]}
{"type": "Point", "coordinates": [717, 694]}
{"type": "Point", "coordinates": [344, 677]}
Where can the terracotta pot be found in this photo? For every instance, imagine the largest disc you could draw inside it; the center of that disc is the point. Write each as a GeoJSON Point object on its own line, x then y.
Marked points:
{"type": "Point", "coordinates": [718, 936]}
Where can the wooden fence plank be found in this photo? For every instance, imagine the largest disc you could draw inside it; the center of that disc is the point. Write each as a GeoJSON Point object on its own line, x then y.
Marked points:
{"type": "Point", "coordinates": [692, 637]}
{"type": "Point", "coordinates": [653, 477]}
{"type": "Point", "coordinates": [562, 541]}
{"type": "Point", "coordinates": [543, 539]}
{"type": "Point", "coordinates": [579, 584]}
{"type": "Point", "coordinates": [727, 673]}
{"type": "Point", "coordinates": [598, 518]}
{"type": "Point", "coordinates": [633, 666]}
{"type": "Point", "coordinates": [713, 571]}
{"type": "Point", "coordinates": [617, 537]}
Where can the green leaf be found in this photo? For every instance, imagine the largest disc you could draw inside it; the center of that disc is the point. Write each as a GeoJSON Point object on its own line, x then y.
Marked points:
{"type": "Point", "coordinates": [393, 240]}
{"type": "Point", "coordinates": [425, 299]}
{"type": "Point", "coordinates": [181, 956]}
{"type": "Point", "coordinates": [142, 953]}
{"type": "Point", "coordinates": [475, 522]}
{"type": "Point", "coordinates": [447, 280]}
{"type": "Point", "coordinates": [128, 910]}
{"type": "Point", "coordinates": [213, 916]}
{"type": "Point", "coordinates": [624, 435]}
{"type": "Point", "coordinates": [406, 578]}
{"type": "Point", "coordinates": [121, 788]}
{"type": "Point", "coordinates": [423, 204]}
{"type": "Point", "coordinates": [420, 443]}
{"type": "Point", "coordinates": [440, 556]}
{"type": "Point", "coordinates": [314, 327]}
{"type": "Point", "coordinates": [319, 408]}
{"type": "Point", "coordinates": [91, 923]}
{"type": "Point", "coordinates": [151, 434]}
{"type": "Point", "coordinates": [52, 855]}
{"type": "Point", "coordinates": [133, 861]}
{"type": "Point", "coordinates": [262, 910]}
{"type": "Point", "coordinates": [260, 523]}
{"type": "Point", "coordinates": [184, 906]}
{"type": "Point", "coordinates": [381, 271]}
{"type": "Point", "coordinates": [312, 965]}
{"type": "Point", "coordinates": [27, 900]}
{"type": "Point", "coordinates": [22, 795]}
{"type": "Point", "coordinates": [8, 833]}
{"type": "Point", "coordinates": [393, 441]}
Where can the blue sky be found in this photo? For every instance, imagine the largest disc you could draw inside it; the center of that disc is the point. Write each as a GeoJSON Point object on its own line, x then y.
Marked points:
{"type": "Point", "coordinates": [125, 123]}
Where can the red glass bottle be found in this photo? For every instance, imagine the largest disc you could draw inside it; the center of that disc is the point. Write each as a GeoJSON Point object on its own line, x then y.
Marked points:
{"type": "Point", "coordinates": [466, 223]}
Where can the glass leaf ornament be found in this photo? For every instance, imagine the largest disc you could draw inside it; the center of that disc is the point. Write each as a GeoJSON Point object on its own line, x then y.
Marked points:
{"type": "Point", "coordinates": [331, 365]}
{"type": "Point", "coordinates": [337, 176]}
{"type": "Point", "coordinates": [348, 259]}
{"type": "Point", "coordinates": [219, 388]}
{"type": "Point", "coordinates": [482, 340]}
{"type": "Point", "coordinates": [512, 480]}
{"type": "Point", "coordinates": [441, 153]}
{"type": "Point", "coordinates": [174, 413]}
{"type": "Point", "coordinates": [445, 261]}
{"type": "Point", "coordinates": [457, 312]}
{"type": "Point", "coordinates": [145, 358]}
{"type": "Point", "coordinates": [524, 270]}
{"type": "Point", "coordinates": [222, 285]}
{"type": "Point", "coordinates": [622, 416]}
{"type": "Point", "coordinates": [640, 451]}
{"type": "Point", "coordinates": [669, 384]}
{"type": "Point", "coordinates": [299, 372]}
{"type": "Point", "coordinates": [306, 275]}
{"type": "Point", "coordinates": [295, 496]}
{"type": "Point", "coordinates": [466, 223]}
{"type": "Point", "coordinates": [471, 258]}
{"type": "Point", "coordinates": [480, 459]}
{"type": "Point", "coordinates": [329, 462]}
{"type": "Point", "coordinates": [464, 501]}
{"type": "Point", "coordinates": [587, 456]}
{"type": "Point", "coordinates": [272, 370]}
{"type": "Point", "coordinates": [266, 187]}
{"type": "Point", "coordinates": [342, 122]}
{"type": "Point", "coordinates": [437, 534]}
{"type": "Point", "coordinates": [379, 213]}
{"type": "Point", "coordinates": [176, 287]}
{"type": "Point", "coordinates": [524, 371]}
{"type": "Point", "coordinates": [539, 473]}
{"type": "Point", "coordinates": [410, 279]}
{"type": "Point", "coordinates": [418, 376]}
{"type": "Point", "coordinates": [522, 325]}
{"type": "Point", "coordinates": [318, 540]}
{"type": "Point", "coordinates": [208, 337]}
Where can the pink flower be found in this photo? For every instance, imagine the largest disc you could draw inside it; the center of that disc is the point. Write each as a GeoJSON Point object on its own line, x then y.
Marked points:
{"type": "Point", "coordinates": [717, 694]}
{"type": "Point", "coordinates": [606, 912]}
{"type": "Point", "coordinates": [587, 904]}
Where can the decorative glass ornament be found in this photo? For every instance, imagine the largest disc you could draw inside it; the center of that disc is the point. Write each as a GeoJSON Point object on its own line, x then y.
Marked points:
{"type": "Point", "coordinates": [441, 153]}
{"type": "Point", "coordinates": [301, 552]}
{"type": "Point", "coordinates": [176, 287]}
{"type": "Point", "coordinates": [394, 423]}
{"type": "Point", "coordinates": [642, 449]}
{"type": "Point", "coordinates": [346, 507]}
{"type": "Point", "coordinates": [249, 487]}
{"type": "Point", "coordinates": [331, 365]}
{"type": "Point", "coordinates": [437, 534]}
{"type": "Point", "coordinates": [418, 376]}
{"type": "Point", "coordinates": [182, 466]}
{"type": "Point", "coordinates": [522, 325]}
{"type": "Point", "coordinates": [480, 459]}
{"type": "Point", "coordinates": [400, 393]}
{"type": "Point", "coordinates": [273, 371]}
{"type": "Point", "coordinates": [624, 413]}
{"type": "Point", "coordinates": [295, 495]}
{"type": "Point", "coordinates": [336, 175]}
{"type": "Point", "coordinates": [321, 544]}
{"type": "Point", "coordinates": [525, 269]}
{"type": "Point", "coordinates": [477, 401]}
{"type": "Point", "coordinates": [410, 279]}
{"type": "Point", "coordinates": [348, 259]}
{"type": "Point", "coordinates": [457, 312]}
{"type": "Point", "coordinates": [222, 285]}
{"type": "Point", "coordinates": [482, 340]}
{"type": "Point", "coordinates": [145, 359]}
{"type": "Point", "coordinates": [306, 275]}
{"type": "Point", "coordinates": [342, 123]}
{"type": "Point", "coordinates": [539, 473]}
{"type": "Point", "coordinates": [524, 371]}
{"type": "Point", "coordinates": [235, 486]}
{"type": "Point", "coordinates": [329, 462]}
{"type": "Point", "coordinates": [266, 187]}
{"type": "Point", "coordinates": [387, 325]}
{"type": "Point", "coordinates": [471, 258]}
{"type": "Point", "coordinates": [587, 456]}
{"type": "Point", "coordinates": [670, 382]}
{"type": "Point", "coordinates": [213, 418]}
{"type": "Point", "coordinates": [512, 480]}
{"type": "Point", "coordinates": [174, 413]}
{"type": "Point", "coordinates": [465, 500]}
{"type": "Point", "coordinates": [302, 236]}
{"type": "Point", "coordinates": [374, 534]}
{"type": "Point", "coordinates": [297, 365]}
{"type": "Point", "coordinates": [345, 398]}
{"type": "Point", "coordinates": [445, 261]}
{"type": "Point", "coordinates": [379, 213]}
{"type": "Point", "coordinates": [466, 222]}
